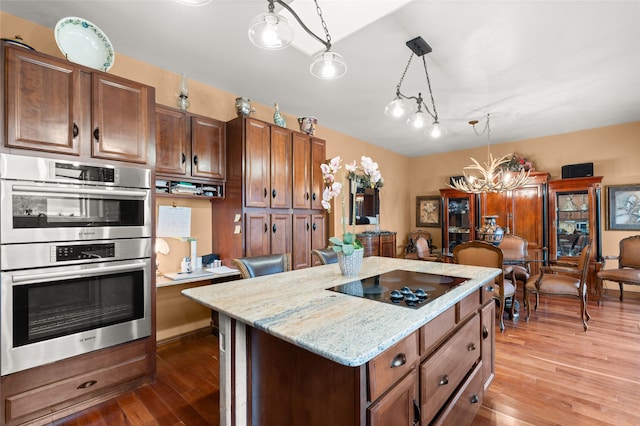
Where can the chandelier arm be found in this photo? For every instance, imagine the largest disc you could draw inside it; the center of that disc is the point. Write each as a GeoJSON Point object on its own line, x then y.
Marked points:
{"type": "Point", "coordinates": [326, 43]}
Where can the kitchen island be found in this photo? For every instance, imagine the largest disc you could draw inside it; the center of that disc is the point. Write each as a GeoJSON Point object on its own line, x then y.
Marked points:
{"type": "Point", "coordinates": [294, 352]}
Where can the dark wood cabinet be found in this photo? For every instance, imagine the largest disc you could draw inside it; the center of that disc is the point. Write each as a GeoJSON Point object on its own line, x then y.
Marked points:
{"type": "Point", "coordinates": [58, 107]}
{"type": "Point", "coordinates": [270, 185]}
{"type": "Point", "coordinates": [191, 148]}
{"type": "Point", "coordinates": [574, 219]}
{"type": "Point", "coordinates": [458, 218]}
{"type": "Point", "coordinates": [378, 243]}
{"type": "Point", "coordinates": [308, 155]}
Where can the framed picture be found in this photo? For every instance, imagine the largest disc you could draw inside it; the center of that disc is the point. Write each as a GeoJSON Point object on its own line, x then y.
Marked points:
{"type": "Point", "coordinates": [623, 207]}
{"type": "Point", "coordinates": [428, 211]}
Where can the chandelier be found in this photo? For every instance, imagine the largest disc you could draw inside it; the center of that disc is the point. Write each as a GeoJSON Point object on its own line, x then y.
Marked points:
{"type": "Point", "coordinates": [271, 31]}
{"type": "Point", "coordinates": [493, 176]}
{"type": "Point", "coordinates": [400, 106]}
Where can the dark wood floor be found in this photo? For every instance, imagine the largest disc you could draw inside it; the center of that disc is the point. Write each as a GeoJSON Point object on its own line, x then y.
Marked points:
{"type": "Point", "coordinates": [548, 372]}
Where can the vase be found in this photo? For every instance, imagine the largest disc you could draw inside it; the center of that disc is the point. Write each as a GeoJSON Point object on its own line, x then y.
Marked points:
{"type": "Point", "coordinates": [350, 265]}
{"type": "Point", "coordinates": [243, 107]}
{"type": "Point", "coordinates": [490, 231]}
{"type": "Point", "coordinates": [308, 125]}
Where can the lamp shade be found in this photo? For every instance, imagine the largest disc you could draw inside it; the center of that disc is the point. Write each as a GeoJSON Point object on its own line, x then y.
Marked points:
{"type": "Point", "coordinates": [435, 130]}
{"type": "Point", "coordinates": [270, 31]}
{"type": "Point", "coordinates": [417, 120]}
{"type": "Point", "coordinates": [328, 65]}
{"type": "Point", "coordinates": [397, 108]}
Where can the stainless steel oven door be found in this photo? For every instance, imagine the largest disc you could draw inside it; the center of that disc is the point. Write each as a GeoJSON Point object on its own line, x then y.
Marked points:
{"type": "Point", "coordinates": [40, 212]}
{"type": "Point", "coordinates": [54, 313]}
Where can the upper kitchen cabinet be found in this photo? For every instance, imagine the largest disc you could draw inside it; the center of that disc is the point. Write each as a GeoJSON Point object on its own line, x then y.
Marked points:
{"type": "Point", "coordinates": [308, 155]}
{"type": "Point", "coordinates": [55, 106]}
{"type": "Point", "coordinates": [189, 145]}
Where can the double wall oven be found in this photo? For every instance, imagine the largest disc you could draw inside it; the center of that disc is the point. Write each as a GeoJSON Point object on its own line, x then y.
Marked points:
{"type": "Point", "coordinates": [75, 258]}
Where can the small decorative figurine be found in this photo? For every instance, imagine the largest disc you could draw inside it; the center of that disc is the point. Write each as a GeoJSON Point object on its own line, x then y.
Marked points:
{"type": "Point", "coordinates": [278, 118]}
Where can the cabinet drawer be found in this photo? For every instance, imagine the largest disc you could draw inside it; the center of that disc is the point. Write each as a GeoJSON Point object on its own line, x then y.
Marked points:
{"type": "Point", "coordinates": [468, 305]}
{"type": "Point", "coordinates": [57, 393]}
{"type": "Point", "coordinates": [464, 406]}
{"type": "Point", "coordinates": [388, 367]}
{"type": "Point", "coordinates": [488, 292]}
{"type": "Point", "coordinates": [432, 333]}
{"type": "Point", "coordinates": [441, 373]}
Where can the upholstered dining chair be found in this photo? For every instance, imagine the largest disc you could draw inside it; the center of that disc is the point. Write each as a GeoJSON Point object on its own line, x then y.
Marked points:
{"type": "Point", "coordinates": [555, 280]}
{"type": "Point", "coordinates": [515, 253]}
{"type": "Point", "coordinates": [258, 266]}
{"type": "Point", "coordinates": [419, 246]}
{"type": "Point", "coordinates": [325, 255]}
{"type": "Point", "coordinates": [628, 271]}
{"type": "Point", "coordinates": [481, 253]}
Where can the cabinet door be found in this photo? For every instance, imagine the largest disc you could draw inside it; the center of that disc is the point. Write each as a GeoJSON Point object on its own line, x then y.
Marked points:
{"type": "Point", "coordinates": [318, 234]}
{"type": "Point", "coordinates": [256, 230]}
{"type": "Point", "coordinates": [281, 233]}
{"type": "Point", "coordinates": [208, 148]}
{"type": "Point", "coordinates": [172, 149]}
{"type": "Point", "coordinates": [487, 342]}
{"type": "Point", "coordinates": [43, 109]}
{"type": "Point", "coordinates": [120, 119]}
{"type": "Point", "coordinates": [318, 156]}
{"type": "Point", "coordinates": [399, 406]}
{"type": "Point", "coordinates": [256, 179]}
{"type": "Point", "coordinates": [388, 245]}
{"type": "Point", "coordinates": [301, 171]}
{"type": "Point", "coordinates": [301, 256]}
{"type": "Point", "coordinates": [280, 168]}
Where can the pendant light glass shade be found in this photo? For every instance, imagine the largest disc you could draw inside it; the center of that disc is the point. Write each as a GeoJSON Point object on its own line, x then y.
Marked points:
{"type": "Point", "coordinates": [328, 65]}
{"type": "Point", "coordinates": [417, 120]}
{"type": "Point", "coordinates": [270, 31]}
{"type": "Point", "coordinates": [397, 108]}
{"type": "Point", "coordinates": [435, 130]}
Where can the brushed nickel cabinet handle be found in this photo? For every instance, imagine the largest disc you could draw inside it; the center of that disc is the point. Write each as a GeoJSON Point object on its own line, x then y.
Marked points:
{"type": "Point", "coordinates": [399, 360]}
{"type": "Point", "coordinates": [444, 380]}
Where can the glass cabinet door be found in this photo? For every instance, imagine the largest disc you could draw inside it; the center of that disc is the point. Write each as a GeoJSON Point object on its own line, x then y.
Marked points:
{"type": "Point", "coordinates": [572, 222]}
{"type": "Point", "coordinates": [458, 218]}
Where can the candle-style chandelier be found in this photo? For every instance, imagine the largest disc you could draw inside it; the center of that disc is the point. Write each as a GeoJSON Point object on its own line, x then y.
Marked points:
{"type": "Point", "coordinates": [493, 176]}
{"type": "Point", "coordinates": [400, 106]}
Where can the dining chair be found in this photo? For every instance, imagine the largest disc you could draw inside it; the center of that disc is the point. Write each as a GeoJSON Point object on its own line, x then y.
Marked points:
{"type": "Point", "coordinates": [628, 271]}
{"type": "Point", "coordinates": [258, 266]}
{"type": "Point", "coordinates": [556, 280]}
{"type": "Point", "coordinates": [325, 255]}
{"type": "Point", "coordinates": [482, 253]}
{"type": "Point", "coordinates": [515, 254]}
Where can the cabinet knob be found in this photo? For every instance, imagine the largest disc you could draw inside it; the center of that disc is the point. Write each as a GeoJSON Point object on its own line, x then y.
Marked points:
{"type": "Point", "coordinates": [273, 193]}
{"type": "Point", "coordinates": [75, 130]}
{"type": "Point", "coordinates": [306, 196]}
{"type": "Point", "coordinates": [474, 399]}
{"type": "Point", "coordinates": [444, 380]}
{"type": "Point", "coordinates": [195, 160]}
{"type": "Point", "coordinates": [314, 196]}
{"type": "Point", "coordinates": [307, 226]}
{"type": "Point", "coordinates": [471, 347]}
{"type": "Point", "coordinates": [313, 227]}
{"type": "Point", "coordinates": [96, 134]}
{"type": "Point", "coordinates": [266, 228]}
{"type": "Point", "coordinates": [399, 360]}
{"type": "Point", "coordinates": [489, 288]}
{"type": "Point", "coordinates": [265, 193]}
{"type": "Point", "coordinates": [274, 228]}
{"type": "Point", "coordinates": [184, 158]}
{"type": "Point", "coordinates": [87, 384]}
{"type": "Point", "coordinates": [485, 332]}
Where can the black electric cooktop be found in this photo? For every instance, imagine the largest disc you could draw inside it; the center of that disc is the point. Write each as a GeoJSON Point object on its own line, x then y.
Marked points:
{"type": "Point", "coordinates": [403, 288]}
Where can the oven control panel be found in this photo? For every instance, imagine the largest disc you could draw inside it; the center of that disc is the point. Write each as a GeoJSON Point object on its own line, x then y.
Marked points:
{"type": "Point", "coordinates": [84, 251]}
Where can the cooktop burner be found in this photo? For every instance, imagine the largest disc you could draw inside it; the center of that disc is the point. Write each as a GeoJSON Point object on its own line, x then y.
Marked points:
{"type": "Point", "coordinates": [402, 288]}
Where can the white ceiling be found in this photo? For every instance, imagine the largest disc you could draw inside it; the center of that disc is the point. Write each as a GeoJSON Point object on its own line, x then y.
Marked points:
{"type": "Point", "coordinates": [538, 67]}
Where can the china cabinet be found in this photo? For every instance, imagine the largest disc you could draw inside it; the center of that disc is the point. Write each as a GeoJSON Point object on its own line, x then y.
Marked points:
{"type": "Point", "coordinates": [522, 212]}
{"type": "Point", "coordinates": [574, 218]}
{"type": "Point", "coordinates": [55, 106]}
{"type": "Point", "coordinates": [458, 218]}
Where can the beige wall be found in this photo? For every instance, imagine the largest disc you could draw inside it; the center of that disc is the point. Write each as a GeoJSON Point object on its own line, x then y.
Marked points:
{"type": "Point", "coordinates": [614, 150]}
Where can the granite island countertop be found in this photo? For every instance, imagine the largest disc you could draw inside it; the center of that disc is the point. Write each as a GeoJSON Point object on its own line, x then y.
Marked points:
{"type": "Point", "coordinates": [297, 307]}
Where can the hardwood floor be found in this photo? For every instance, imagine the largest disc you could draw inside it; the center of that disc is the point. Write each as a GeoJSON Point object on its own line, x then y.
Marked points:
{"type": "Point", "coordinates": [548, 372]}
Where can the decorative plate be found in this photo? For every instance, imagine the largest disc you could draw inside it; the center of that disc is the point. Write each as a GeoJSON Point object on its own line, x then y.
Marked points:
{"type": "Point", "coordinates": [83, 43]}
